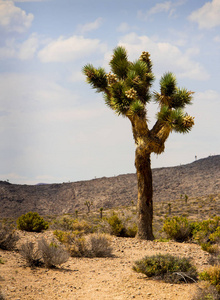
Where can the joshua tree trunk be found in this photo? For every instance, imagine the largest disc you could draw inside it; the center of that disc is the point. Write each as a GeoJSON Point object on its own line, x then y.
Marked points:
{"type": "Point", "coordinates": [145, 194]}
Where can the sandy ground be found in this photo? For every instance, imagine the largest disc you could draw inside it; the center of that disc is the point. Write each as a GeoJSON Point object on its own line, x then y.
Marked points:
{"type": "Point", "coordinates": [97, 278]}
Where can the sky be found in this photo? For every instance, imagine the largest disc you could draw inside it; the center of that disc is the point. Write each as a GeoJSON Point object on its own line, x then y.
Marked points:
{"type": "Point", "coordinates": [55, 128]}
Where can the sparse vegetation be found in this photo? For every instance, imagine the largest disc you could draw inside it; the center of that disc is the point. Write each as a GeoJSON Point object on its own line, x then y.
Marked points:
{"type": "Point", "coordinates": [8, 237]}
{"type": "Point", "coordinates": [44, 253]}
{"type": "Point", "coordinates": [52, 254]}
{"type": "Point", "coordinates": [212, 275]}
{"type": "Point", "coordinates": [167, 267]}
{"type": "Point", "coordinates": [31, 255]}
{"type": "Point", "coordinates": [99, 245]}
{"type": "Point", "coordinates": [79, 245]}
{"type": "Point", "coordinates": [205, 291]}
{"type": "Point", "coordinates": [31, 221]}
{"type": "Point", "coordinates": [178, 228]}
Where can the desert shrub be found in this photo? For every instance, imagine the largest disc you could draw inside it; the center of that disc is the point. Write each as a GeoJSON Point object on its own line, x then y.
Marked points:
{"type": "Point", "coordinates": [31, 221]}
{"type": "Point", "coordinates": [202, 231]}
{"type": "Point", "coordinates": [82, 226]}
{"type": "Point", "coordinates": [64, 223]}
{"type": "Point", "coordinates": [177, 228]}
{"type": "Point", "coordinates": [8, 237]}
{"type": "Point", "coordinates": [73, 241]}
{"type": "Point", "coordinates": [210, 248]}
{"type": "Point", "coordinates": [167, 267]}
{"type": "Point", "coordinates": [206, 292]}
{"type": "Point", "coordinates": [98, 245]}
{"type": "Point", "coordinates": [215, 236]}
{"type": "Point", "coordinates": [67, 223]}
{"type": "Point", "coordinates": [52, 254]}
{"type": "Point", "coordinates": [117, 227]}
{"type": "Point", "coordinates": [212, 275]}
{"type": "Point", "coordinates": [131, 230]}
{"type": "Point", "coordinates": [79, 245]}
{"type": "Point", "coordinates": [31, 255]}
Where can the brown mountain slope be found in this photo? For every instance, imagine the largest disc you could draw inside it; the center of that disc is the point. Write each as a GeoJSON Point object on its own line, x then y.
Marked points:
{"type": "Point", "coordinates": [199, 178]}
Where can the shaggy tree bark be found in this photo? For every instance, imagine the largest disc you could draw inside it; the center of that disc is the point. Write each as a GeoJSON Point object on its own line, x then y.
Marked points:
{"type": "Point", "coordinates": [145, 194]}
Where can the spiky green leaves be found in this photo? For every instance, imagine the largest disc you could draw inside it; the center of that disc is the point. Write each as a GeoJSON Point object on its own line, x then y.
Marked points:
{"type": "Point", "coordinates": [170, 94]}
{"type": "Point", "coordinates": [137, 108]}
{"type": "Point", "coordinates": [176, 119]}
{"type": "Point", "coordinates": [168, 84]}
{"type": "Point", "coordinates": [119, 62]}
{"type": "Point", "coordinates": [96, 77]}
{"type": "Point", "coordinates": [181, 98]}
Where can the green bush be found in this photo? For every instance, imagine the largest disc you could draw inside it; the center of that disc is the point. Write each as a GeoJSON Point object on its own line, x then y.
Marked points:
{"type": "Point", "coordinates": [73, 241]}
{"type": "Point", "coordinates": [31, 221]}
{"type": "Point", "coordinates": [215, 236]}
{"type": "Point", "coordinates": [178, 228]}
{"type": "Point", "coordinates": [202, 231]}
{"type": "Point", "coordinates": [212, 275]}
{"type": "Point", "coordinates": [167, 267]}
{"type": "Point", "coordinates": [117, 227]}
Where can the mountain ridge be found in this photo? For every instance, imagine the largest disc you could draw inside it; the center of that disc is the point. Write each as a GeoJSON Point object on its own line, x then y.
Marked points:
{"type": "Point", "coordinates": [195, 179]}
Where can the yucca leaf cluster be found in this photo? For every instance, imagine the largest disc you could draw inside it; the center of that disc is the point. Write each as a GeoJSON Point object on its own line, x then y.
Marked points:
{"type": "Point", "coordinates": [126, 87]}
{"type": "Point", "coordinates": [126, 90]}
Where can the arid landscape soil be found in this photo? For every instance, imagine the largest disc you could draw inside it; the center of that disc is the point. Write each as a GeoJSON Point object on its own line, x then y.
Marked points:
{"type": "Point", "coordinates": [98, 278]}
{"type": "Point", "coordinates": [110, 277]}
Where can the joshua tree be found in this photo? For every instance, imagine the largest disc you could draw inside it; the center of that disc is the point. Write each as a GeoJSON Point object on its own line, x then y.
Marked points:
{"type": "Point", "coordinates": [88, 204]}
{"type": "Point", "coordinates": [126, 90]}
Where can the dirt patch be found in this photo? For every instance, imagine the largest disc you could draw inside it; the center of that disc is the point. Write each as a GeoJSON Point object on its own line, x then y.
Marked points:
{"type": "Point", "coordinates": [97, 278]}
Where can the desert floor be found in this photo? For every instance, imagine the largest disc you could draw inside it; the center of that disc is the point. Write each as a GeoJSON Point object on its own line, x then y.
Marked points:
{"type": "Point", "coordinates": [97, 278]}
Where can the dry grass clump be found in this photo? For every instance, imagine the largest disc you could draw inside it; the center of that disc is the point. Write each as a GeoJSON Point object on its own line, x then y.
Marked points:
{"type": "Point", "coordinates": [99, 245]}
{"type": "Point", "coordinates": [80, 245]}
{"type": "Point", "coordinates": [52, 254]}
{"type": "Point", "coordinates": [205, 291]}
{"type": "Point", "coordinates": [212, 275]}
{"type": "Point", "coordinates": [8, 237]}
{"type": "Point", "coordinates": [44, 253]}
{"type": "Point", "coordinates": [31, 255]}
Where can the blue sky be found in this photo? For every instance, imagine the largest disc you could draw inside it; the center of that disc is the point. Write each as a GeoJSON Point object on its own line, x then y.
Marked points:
{"type": "Point", "coordinates": [54, 127]}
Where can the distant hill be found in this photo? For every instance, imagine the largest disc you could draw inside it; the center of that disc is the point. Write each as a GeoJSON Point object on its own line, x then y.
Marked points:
{"type": "Point", "coordinates": [200, 178]}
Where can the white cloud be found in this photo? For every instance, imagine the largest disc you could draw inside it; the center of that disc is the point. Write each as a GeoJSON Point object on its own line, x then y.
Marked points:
{"type": "Point", "coordinates": [208, 16]}
{"type": "Point", "coordinates": [70, 49]}
{"type": "Point", "coordinates": [161, 7]}
{"type": "Point", "coordinates": [165, 57]}
{"type": "Point", "coordinates": [167, 7]}
{"type": "Point", "coordinates": [22, 51]}
{"type": "Point", "coordinates": [90, 26]}
{"type": "Point", "coordinates": [123, 27]}
{"type": "Point", "coordinates": [14, 19]}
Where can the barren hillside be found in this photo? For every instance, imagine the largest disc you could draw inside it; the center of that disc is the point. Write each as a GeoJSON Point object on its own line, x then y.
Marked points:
{"type": "Point", "coordinates": [199, 178]}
